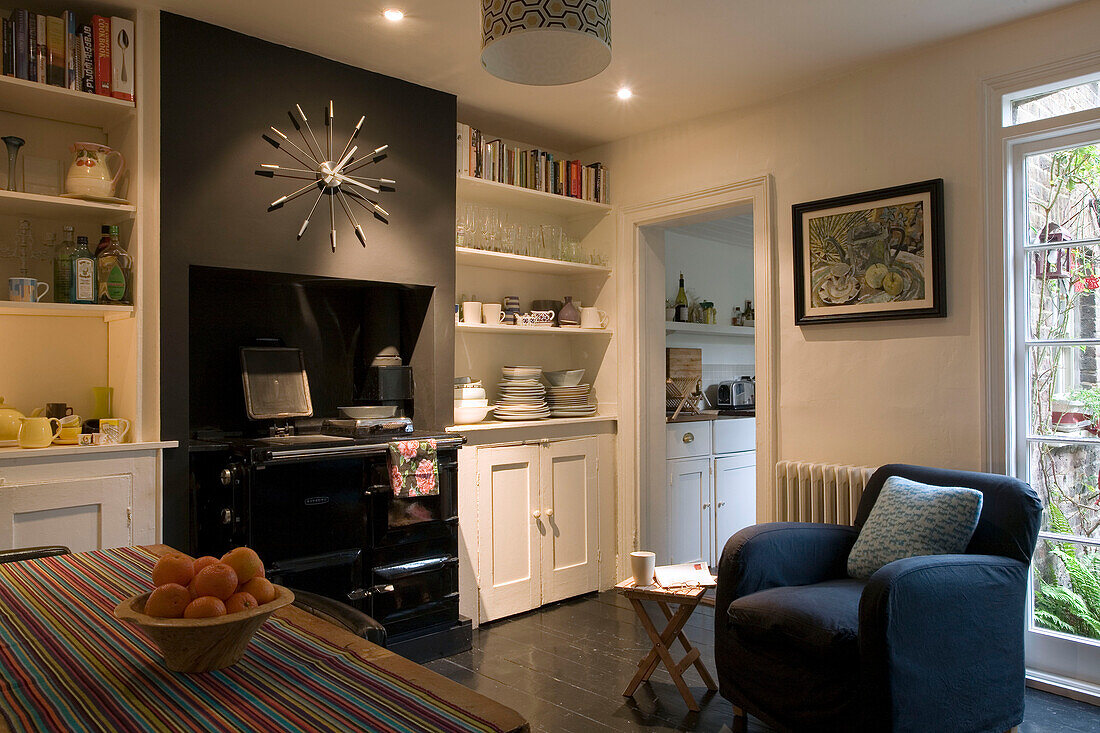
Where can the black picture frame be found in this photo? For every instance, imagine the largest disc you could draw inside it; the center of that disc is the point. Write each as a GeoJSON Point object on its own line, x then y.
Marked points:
{"type": "Point", "coordinates": [833, 285]}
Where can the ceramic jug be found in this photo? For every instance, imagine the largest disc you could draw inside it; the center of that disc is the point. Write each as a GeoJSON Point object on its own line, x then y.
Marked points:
{"type": "Point", "coordinates": [38, 432]}
{"type": "Point", "coordinates": [9, 422]}
{"type": "Point", "coordinates": [90, 172]}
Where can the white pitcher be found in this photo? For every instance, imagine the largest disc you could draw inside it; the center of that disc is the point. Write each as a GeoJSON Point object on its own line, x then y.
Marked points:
{"type": "Point", "coordinates": [90, 172]}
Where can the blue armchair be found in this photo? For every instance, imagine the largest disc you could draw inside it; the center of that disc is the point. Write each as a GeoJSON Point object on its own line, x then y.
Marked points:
{"type": "Point", "coordinates": [926, 643]}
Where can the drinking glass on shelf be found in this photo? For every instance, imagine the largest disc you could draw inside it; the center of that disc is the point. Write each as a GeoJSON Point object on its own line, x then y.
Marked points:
{"type": "Point", "coordinates": [552, 241]}
{"type": "Point", "coordinates": [488, 223]}
{"type": "Point", "coordinates": [508, 238]}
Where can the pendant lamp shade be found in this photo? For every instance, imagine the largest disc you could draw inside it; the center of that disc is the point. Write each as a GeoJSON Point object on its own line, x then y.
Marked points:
{"type": "Point", "coordinates": [545, 42]}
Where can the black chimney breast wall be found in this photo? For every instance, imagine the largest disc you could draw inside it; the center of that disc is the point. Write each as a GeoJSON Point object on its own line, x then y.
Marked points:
{"type": "Point", "coordinates": [220, 91]}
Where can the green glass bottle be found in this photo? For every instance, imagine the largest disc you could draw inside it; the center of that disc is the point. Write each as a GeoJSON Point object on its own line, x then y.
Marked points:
{"type": "Point", "coordinates": [114, 273]}
{"type": "Point", "coordinates": [83, 286]}
{"type": "Point", "coordinates": [63, 267]}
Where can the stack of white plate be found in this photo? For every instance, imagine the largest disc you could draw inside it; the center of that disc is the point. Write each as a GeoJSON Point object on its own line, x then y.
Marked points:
{"type": "Point", "coordinates": [571, 401]}
{"type": "Point", "coordinates": [522, 396]}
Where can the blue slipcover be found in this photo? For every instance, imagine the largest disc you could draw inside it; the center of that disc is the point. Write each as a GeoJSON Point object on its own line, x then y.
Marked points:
{"type": "Point", "coordinates": [929, 643]}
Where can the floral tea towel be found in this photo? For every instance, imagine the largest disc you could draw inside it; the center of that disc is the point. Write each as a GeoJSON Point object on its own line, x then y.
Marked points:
{"type": "Point", "coordinates": [414, 468]}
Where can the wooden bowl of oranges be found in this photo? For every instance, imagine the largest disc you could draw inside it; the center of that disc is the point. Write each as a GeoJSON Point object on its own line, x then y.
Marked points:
{"type": "Point", "coordinates": [203, 613]}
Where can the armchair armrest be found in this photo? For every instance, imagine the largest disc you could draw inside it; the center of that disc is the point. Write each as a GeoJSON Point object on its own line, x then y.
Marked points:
{"type": "Point", "coordinates": [782, 553]}
{"type": "Point", "coordinates": [930, 626]}
{"type": "Point", "coordinates": [32, 553]}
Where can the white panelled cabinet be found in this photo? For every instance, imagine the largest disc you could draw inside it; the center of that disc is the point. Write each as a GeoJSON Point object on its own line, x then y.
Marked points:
{"type": "Point", "coordinates": [537, 524]}
{"type": "Point", "coordinates": [710, 489]}
{"type": "Point", "coordinates": [84, 502]}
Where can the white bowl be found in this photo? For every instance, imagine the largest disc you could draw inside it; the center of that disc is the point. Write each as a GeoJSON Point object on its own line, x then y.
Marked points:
{"type": "Point", "coordinates": [565, 378]}
{"type": "Point", "coordinates": [471, 403]}
{"type": "Point", "coordinates": [469, 415]}
{"type": "Point", "coordinates": [368, 411]}
{"type": "Point", "coordinates": [469, 393]}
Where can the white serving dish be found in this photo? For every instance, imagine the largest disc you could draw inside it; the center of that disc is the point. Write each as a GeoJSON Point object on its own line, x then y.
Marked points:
{"type": "Point", "coordinates": [469, 393]}
{"type": "Point", "coordinates": [565, 378]}
{"type": "Point", "coordinates": [471, 403]}
{"type": "Point", "coordinates": [470, 415]}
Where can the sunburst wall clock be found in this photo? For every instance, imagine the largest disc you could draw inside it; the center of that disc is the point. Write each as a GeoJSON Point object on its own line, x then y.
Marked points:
{"type": "Point", "coordinates": [327, 174]}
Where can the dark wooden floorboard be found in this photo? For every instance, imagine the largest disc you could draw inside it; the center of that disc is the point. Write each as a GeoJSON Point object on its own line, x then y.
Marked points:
{"type": "Point", "coordinates": [564, 667]}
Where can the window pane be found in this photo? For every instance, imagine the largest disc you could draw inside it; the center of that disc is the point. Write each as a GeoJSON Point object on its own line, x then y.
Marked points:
{"type": "Point", "coordinates": [1067, 588]}
{"type": "Point", "coordinates": [1062, 192]}
{"type": "Point", "coordinates": [1063, 290]}
{"type": "Point", "coordinates": [1059, 102]}
{"type": "Point", "coordinates": [1065, 477]}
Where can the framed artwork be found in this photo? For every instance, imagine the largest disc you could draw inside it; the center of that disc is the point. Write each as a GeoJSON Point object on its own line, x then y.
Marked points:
{"type": "Point", "coordinates": [870, 256]}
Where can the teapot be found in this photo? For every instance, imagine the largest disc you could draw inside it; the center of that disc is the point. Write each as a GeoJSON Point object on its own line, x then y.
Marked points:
{"type": "Point", "coordinates": [9, 422]}
{"type": "Point", "coordinates": [90, 172]}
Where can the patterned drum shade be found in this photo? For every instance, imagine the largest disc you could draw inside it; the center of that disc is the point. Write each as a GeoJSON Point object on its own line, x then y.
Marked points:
{"type": "Point", "coordinates": [545, 42]}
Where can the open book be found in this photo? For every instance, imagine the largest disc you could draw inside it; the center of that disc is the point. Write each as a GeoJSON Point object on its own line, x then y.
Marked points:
{"type": "Point", "coordinates": [695, 573]}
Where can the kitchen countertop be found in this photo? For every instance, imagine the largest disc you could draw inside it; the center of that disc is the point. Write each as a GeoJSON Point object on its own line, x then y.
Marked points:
{"type": "Point", "coordinates": [705, 418]}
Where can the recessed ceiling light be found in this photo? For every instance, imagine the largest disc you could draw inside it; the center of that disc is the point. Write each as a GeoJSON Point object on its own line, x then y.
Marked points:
{"type": "Point", "coordinates": [393, 14]}
{"type": "Point", "coordinates": [624, 93]}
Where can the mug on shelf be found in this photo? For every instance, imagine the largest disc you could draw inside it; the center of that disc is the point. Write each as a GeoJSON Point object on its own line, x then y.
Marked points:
{"type": "Point", "coordinates": [492, 313]}
{"type": "Point", "coordinates": [58, 409]}
{"type": "Point", "coordinates": [38, 432]}
{"type": "Point", "coordinates": [114, 430]}
{"type": "Point", "coordinates": [471, 311]}
{"type": "Point", "coordinates": [593, 318]}
{"type": "Point", "coordinates": [27, 289]}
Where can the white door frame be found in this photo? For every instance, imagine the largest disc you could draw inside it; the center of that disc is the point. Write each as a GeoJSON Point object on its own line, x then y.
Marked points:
{"type": "Point", "coordinates": [638, 439]}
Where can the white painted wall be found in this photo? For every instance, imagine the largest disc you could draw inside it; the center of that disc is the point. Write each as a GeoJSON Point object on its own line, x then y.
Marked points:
{"type": "Point", "coordinates": [720, 272]}
{"type": "Point", "coordinates": [869, 393]}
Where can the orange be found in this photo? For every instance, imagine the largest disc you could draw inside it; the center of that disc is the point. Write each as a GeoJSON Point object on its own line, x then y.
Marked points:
{"type": "Point", "coordinates": [240, 602]}
{"type": "Point", "coordinates": [204, 607]}
{"type": "Point", "coordinates": [218, 580]}
{"type": "Point", "coordinates": [261, 589]}
{"type": "Point", "coordinates": [177, 569]}
{"type": "Point", "coordinates": [245, 562]}
{"type": "Point", "coordinates": [168, 601]}
{"type": "Point", "coordinates": [191, 590]}
{"type": "Point", "coordinates": [203, 561]}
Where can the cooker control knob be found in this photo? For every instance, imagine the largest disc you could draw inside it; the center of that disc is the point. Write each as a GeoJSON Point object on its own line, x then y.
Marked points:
{"type": "Point", "coordinates": [229, 474]}
{"type": "Point", "coordinates": [227, 515]}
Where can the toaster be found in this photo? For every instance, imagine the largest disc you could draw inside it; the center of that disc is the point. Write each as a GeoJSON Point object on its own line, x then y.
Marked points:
{"type": "Point", "coordinates": [737, 393]}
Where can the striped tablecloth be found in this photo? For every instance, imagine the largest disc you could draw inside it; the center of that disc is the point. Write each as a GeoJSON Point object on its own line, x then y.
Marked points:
{"type": "Point", "coordinates": [69, 665]}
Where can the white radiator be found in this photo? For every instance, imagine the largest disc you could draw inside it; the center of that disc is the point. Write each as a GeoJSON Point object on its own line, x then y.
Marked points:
{"type": "Point", "coordinates": [818, 492]}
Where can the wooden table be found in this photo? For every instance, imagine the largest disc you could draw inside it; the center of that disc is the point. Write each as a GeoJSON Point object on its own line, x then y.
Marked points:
{"type": "Point", "coordinates": [686, 598]}
{"type": "Point", "coordinates": [412, 676]}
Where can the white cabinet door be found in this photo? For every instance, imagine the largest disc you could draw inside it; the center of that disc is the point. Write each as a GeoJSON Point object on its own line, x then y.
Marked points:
{"type": "Point", "coordinates": [509, 537]}
{"type": "Point", "coordinates": [734, 497]}
{"type": "Point", "coordinates": [81, 514]}
{"type": "Point", "coordinates": [689, 513]}
{"type": "Point", "coordinates": [568, 523]}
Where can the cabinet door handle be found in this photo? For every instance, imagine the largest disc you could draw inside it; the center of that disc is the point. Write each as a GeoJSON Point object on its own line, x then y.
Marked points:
{"type": "Point", "coordinates": [536, 514]}
{"type": "Point", "coordinates": [548, 512]}
{"type": "Point", "coordinates": [689, 437]}
{"type": "Point", "coordinates": [707, 505]}
{"type": "Point", "coordinates": [721, 504]}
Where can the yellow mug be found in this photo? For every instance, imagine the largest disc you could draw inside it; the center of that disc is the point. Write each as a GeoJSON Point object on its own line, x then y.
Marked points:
{"type": "Point", "coordinates": [70, 435]}
{"type": "Point", "coordinates": [38, 432]}
{"type": "Point", "coordinates": [114, 429]}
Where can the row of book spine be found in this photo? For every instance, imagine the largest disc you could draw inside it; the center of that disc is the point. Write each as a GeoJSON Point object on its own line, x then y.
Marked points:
{"type": "Point", "coordinates": [493, 160]}
{"type": "Point", "coordinates": [94, 57]}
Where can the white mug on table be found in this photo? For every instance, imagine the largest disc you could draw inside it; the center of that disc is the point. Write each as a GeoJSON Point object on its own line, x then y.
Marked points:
{"type": "Point", "coordinates": [641, 567]}
{"type": "Point", "coordinates": [593, 318]}
{"type": "Point", "coordinates": [493, 313]}
{"type": "Point", "coordinates": [26, 289]}
{"type": "Point", "coordinates": [471, 311]}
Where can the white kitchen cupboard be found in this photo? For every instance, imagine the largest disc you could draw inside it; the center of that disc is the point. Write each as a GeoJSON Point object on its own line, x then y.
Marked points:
{"type": "Point", "coordinates": [710, 492]}
{"type": "Point", "coordinates": [689, 514]}
{"type": "Point", "coordinates": [536, 524]}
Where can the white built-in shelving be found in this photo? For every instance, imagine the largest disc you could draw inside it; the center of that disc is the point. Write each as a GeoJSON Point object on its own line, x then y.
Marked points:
{"type": "Point", "coordinates": [710, 329]}
{"type": "Point", "coordinates": [36, 205]}
{"type": "Point", "coordinates": [515, 424]}
{"type": "Point", "coordinates": [468, 257]}
{"type": "Point", "coordinates": [507, 195]}
{"type": "Point", "coordinates": [54, 103]}
{"type": "Point", "coordinates": [490, 328]}
{"type": "Point", "coordinates": [106, 313]}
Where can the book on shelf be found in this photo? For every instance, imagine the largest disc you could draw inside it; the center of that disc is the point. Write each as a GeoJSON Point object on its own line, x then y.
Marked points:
{"type": "Point", "coordinates": [61, 51]}
{"type": "Point", "coordinates": [495, 160]}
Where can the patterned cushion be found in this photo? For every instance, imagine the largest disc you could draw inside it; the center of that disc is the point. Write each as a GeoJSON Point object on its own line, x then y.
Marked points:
{"type": "Point", "coordinates": [911, 519]}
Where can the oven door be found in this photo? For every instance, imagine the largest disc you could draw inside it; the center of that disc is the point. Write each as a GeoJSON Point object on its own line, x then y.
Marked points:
{"type": "Point", "coordinates": [336, 575]}
{"type": "Point", "coordinates": [396, 521]}
{"type": "Point", "coordinates": [416, 594]}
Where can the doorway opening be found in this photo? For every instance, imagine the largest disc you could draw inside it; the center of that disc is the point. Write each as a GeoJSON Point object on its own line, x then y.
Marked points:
{"type": "Point", "coordinates": [674, 473]}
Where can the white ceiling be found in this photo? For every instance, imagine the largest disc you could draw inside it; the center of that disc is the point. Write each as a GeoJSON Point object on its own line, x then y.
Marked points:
{"type": "Point", "coordinates": [736, 230]}
{"type": "Point", "coordinates": [683, 58]}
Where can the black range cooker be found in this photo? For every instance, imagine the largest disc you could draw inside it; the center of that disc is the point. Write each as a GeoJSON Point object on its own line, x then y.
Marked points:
{"type": "Point", "coordinates": [319, 509]}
